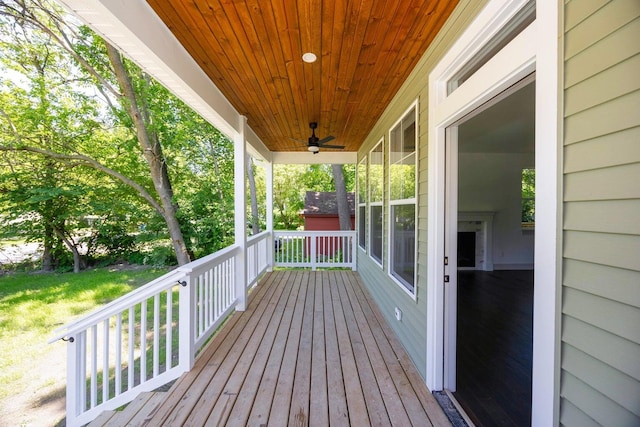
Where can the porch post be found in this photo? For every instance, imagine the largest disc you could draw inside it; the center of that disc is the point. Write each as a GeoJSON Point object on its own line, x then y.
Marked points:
{"type": "Point", "coordinates": [187, 324]}
{"type": "Point", "coordinates": [269, 201]}
{"type": "Point", "coordinates": [240, 191]}
{"type": "Point", "coordinates": [75, 386]}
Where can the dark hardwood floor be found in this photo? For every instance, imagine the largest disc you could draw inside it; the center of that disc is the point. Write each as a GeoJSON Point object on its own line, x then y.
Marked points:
{"type": "Point", "coordinates": [495, 346]}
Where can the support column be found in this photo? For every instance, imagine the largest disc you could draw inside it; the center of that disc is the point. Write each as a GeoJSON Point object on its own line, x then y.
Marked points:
{"type": "Point", "coordinates": [240, 192]}
{"type": "Point", "coordinates": [269, 202]}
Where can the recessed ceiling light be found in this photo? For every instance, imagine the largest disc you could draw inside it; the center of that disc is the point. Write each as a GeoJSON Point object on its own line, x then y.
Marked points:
{"type": "Point", "coordinates": [309, 57]}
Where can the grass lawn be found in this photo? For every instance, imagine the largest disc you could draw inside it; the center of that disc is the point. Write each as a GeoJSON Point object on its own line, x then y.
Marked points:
{"type": "Point", "coordinates": [32, 306]}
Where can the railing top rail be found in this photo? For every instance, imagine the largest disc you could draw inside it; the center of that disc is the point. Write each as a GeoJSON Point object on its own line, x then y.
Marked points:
{"type": "Point", "coordinates": [155, 286]}
{"type": "Point", "coordinates": [257, 237]}
{"type": "Point", "coordinates": [336, 233]}
{"type": "Point", "coordinates": [118, 305]}
{"type": "Point", "coordinates": [219, 256]}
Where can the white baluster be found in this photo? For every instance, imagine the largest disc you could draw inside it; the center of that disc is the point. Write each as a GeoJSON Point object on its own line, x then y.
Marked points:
{"type": "Point", "coordinates": [118, 371]}
{"type": "Point", "coordinates": [156, 335]}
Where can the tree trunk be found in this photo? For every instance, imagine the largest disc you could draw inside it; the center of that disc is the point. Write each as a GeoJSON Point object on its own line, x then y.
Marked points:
{"type": "Point", "coordinates": [152, 151]}
{"type": "Point", "coordinates": [73, 247]}
{"type": "Point", "coordinates": [47, 253]}
{"type": "Point", "coordinates": [255, 217]}
{"type": "Point", "coordinates": [344, 213]}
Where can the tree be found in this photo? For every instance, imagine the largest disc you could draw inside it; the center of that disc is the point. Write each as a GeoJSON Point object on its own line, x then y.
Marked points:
{"type": "Point", "coordinates": [115, 79]}
{"type": "Point", "coordinates": [38, 110]}
{"type": "Point", "coordinates": [344, 213]}
{"type": "Point", "coordinates": [138, 111]}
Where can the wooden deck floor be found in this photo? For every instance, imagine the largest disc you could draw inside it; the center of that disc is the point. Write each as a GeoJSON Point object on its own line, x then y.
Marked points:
{"type": "Point", "coordinates": [312, 349]}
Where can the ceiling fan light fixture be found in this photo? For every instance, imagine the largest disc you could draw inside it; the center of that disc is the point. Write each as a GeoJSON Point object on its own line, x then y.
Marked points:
{"type": "Point", "coordinates": [313, 148]}
{"type": "Point", "coordinates": [309, 57]}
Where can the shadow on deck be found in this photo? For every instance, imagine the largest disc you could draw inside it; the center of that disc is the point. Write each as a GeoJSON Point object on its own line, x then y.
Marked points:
{"type": "Point", "coordinates": [312, 348]}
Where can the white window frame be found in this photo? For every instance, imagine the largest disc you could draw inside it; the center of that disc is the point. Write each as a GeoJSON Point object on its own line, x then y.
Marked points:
{"type": "Point", "coordinates": [537, 48]}
{"type": "Point", "coordinates": [378, 203]}
{"type": "Point", "coordinates": [362, 162]}
{"type": "Point", "coordinates": [414, 200]}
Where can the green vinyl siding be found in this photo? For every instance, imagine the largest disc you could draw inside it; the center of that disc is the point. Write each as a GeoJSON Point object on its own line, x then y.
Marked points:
{"type": "Point", "coordinates": [600, 351]}
{"type": "Point", "coordinates": [411, 330]}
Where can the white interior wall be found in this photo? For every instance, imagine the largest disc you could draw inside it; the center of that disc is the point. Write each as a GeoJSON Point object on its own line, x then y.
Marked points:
{"type": "Point", "coordinates": [491, 182]}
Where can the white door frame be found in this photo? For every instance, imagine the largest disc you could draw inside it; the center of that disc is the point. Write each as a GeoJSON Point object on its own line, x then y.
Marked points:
{"type": "Point", "coordinates": [535, 49]}
{"type": "Point", "coordinates": [451, 218]}
{"type": "Point", "coordinates": [451, 250]}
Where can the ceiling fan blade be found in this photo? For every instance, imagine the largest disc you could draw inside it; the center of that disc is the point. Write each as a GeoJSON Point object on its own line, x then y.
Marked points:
{"type": "Point", "coordinates": [298, 141]}
{"type": "Point", "coordinates": [326, 139]}
{"type": "Point", "coordinates": [339, 147]}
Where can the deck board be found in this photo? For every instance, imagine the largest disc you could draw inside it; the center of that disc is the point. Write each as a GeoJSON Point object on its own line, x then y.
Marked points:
{"type": "Point", "coordinates": [337, 404]}
{"type": "Point", "coordinates": [259, 411]}
{"type": "Point", "coordinates": [357, 407]}
{"type": "Point", "coordinates": [319, 410]}
{"type": "Point", "coordinates": [311, 349]}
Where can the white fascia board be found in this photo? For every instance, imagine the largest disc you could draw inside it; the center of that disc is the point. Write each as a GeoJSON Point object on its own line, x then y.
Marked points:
{"type": "Point", "coordinates": [133, 27]}
{"type": "Point", "coordinates": [256, 148]}
{"type": "Point", "coordinates": [307, 158]}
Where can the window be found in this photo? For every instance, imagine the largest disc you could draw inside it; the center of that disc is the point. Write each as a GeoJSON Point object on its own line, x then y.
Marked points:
{"type": "Point", "coordinates": [376, 186]}
{"type": "Point", "coordinates": [402, 200]}
{"type": "Point", "coordinates": [362, 202]}
{"type": "Point", "coordinates": [528, 198]}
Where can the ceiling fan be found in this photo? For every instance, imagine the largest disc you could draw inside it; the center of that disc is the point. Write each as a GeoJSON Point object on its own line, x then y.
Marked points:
{"type": "Point", "coordinates": [314, 143]}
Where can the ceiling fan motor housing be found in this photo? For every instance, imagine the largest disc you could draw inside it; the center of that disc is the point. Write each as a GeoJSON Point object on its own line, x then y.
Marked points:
{"type": "Point", "coordinates": [314, 143]}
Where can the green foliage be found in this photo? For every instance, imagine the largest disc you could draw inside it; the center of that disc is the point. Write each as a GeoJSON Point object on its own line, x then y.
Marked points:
{"type": "Point", "coordinates": [528, 195]}
{"type": "Point", "coordinates": [49, 101]}
{"type": "Point", "coordinates": [111, 236]}
{"type": "Point", "coordinates": [160, 256]}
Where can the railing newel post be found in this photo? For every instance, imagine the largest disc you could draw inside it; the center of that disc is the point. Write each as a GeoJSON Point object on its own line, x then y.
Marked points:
{"type": "Point", "coordinates": [74, 364]}
{"type": "Point", "coordinates": [186, 327]}
{"type": "Point", "coordinates": [353, 240]}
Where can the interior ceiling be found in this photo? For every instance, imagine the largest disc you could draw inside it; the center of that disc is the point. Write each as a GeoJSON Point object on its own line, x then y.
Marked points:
{"type": "Point", "coordinates": [252, 50]}
{"type": "Point", "coordinates": [506, 127]}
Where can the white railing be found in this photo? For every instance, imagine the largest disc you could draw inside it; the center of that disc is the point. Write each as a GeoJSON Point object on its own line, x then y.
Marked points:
{"type": "Point", "coordinates": [258, 256]}
{"type": "Point", "coordinates": [315, 249]}
{"type": "Point", "coordinates": [151, 336]}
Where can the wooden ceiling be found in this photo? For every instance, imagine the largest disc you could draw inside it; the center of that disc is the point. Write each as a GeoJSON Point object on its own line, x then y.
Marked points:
{"type": "Point", "coordinates": [252, 50]}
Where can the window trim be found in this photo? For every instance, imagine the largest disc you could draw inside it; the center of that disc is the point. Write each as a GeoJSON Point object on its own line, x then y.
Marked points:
{"type": "Point", "coordinates": [409, 201]}
{"type": "Point", "coordinates": [376, 203]}
{"type": "Point", "coordinates": [364, 163]}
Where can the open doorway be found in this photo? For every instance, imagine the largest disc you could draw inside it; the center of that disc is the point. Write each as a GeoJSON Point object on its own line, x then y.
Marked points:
{"type": "Point", "coordinates": [490, 247]}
